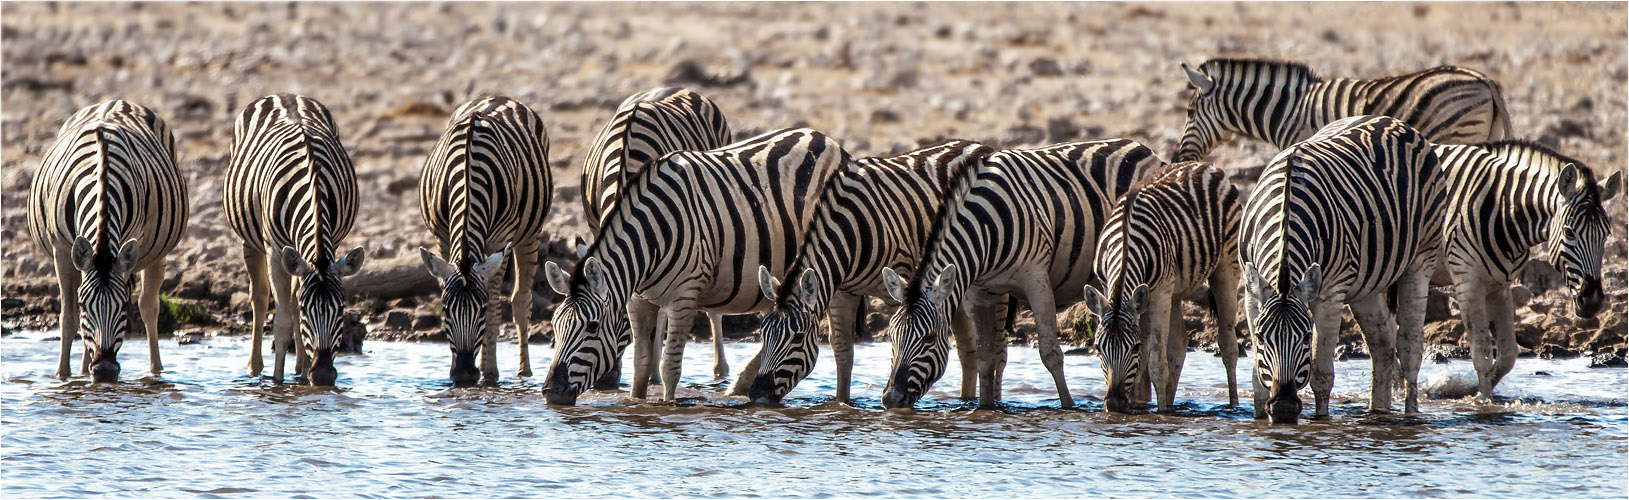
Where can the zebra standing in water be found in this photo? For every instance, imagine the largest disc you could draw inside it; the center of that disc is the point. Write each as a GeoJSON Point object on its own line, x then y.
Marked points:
{"type": "Point", "coordinates": [687, 233]}
{"type": "Point", "coordinates": [1284, 103]}
{"type": "Point", "coordinates": [646, 126]}
{"type": "Point", "coordinates": [1341, 218]}
{"type": "Point", "coordinates": [1025, 222]}
{"type": "Point", "coordinates": [1504, 198]}
{"type": "Point", "coordinates": [875, 214]}
{"type": "Point", "coordinates": [107, 202]}
{"type": "Point", "coordinates": [485, 188]}
{"type": "Point", "coordinates": [291, 196]}
{"type": "Point", "coordinates": [1171, 233]}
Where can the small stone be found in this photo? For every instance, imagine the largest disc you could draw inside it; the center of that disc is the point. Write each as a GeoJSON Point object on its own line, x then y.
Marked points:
{"type": "Point", "coordinates": [1528, 335]}
{"type": "Point", "coordinates": [1078, 351]}
{"type": "Point", "coordinates": [398, 320]}
{"type": "Point", "coordinates": [11, 303]}
{"type": "Point", "coordinates": [1608, 361]}
{"type": "Point", "coordinates": [1552, 351]}
{"type": "Point", "coordinates": [426, 321]}
{"type": "Point", "coordinates": [190, 338]}
{"type": "Point", "coordinates": [1542, 373]}
{"type": "Point", "coordinates": [1045, 67]}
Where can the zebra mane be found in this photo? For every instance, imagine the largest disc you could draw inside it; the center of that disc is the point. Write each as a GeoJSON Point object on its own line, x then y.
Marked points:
{"type": "Point", "coordinates": [632, 188]}
{"type": "Point", "coordinates": [961, 185]}
{"type": "Point", "coordinates": [1585, 173]}
{"type": "Point", "coordinates": [1239, 65]}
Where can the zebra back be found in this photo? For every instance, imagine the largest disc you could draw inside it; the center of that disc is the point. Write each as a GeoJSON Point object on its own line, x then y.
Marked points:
{"type": "Point", "coordinates": [110, 177]}
{"type": "Point", "coordinates": [1173, 228]}
{"type": "Point", "coordinates": [487, 182]}
{"type": "Point", "coordinates": [646, 126]}
{"type": "Point", "coordinates": [289, 181]}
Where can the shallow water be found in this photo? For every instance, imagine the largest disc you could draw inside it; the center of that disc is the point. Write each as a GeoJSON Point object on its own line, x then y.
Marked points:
{"type": "Point", "coordinates": [396, 429]}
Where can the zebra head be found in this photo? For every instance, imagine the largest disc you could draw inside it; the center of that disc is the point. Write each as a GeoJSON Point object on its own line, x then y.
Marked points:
{"type": "Point", "coordinates": [1207, 125]}
{"type": "Point", "coordinates": [918, 330]}
{"type": "Point", "coordinates": [588, 334]}
{"type": "Point", "coordinates": [789, 332]}
{"type": "Point", "coordinates": [1577, 233]}
{"type": "Point", "coordinates": [1119, 341]}
{"type": "Point", "coordinates": [465, 307]}
{"type": "Point", "coordinates": [104, 303]}
{"type": "Point", "coordinates": [1281, 335]}
{"type": "Point", "coordinates": [322, 308]}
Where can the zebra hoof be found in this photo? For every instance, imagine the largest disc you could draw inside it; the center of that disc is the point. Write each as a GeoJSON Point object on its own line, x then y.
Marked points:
{"type": "Point", "coordinates": [524, 373]}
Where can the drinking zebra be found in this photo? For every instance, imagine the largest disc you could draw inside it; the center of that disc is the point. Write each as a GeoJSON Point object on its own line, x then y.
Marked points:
{"type": "Point", "coordinates": [1171, 233]}
{"type": "Point", "coordinates": [107, 202]}
{"type": "Point", "coordinates": [1284, 103]}
{"type": "Point", "coordinates": [1025, 222]}
{"type": "Point", "coordinates": [1504, 198]}
{"type": "Point", "coordinates": [1341, 218]}
{"type": "Point", "coordinates": [687, 233]}
{"type": "Point", "coordinates": [875, 214]}
{"type": "Point", "coordinates": [291, 196]}
{"type": "Point", "coordinates": [485, 188]}
{"type": "Point", "coordinates": [646, 126]}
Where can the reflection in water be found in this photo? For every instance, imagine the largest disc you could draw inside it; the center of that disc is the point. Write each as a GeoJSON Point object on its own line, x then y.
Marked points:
{"type": "Point", "coordinates": [395, 427]}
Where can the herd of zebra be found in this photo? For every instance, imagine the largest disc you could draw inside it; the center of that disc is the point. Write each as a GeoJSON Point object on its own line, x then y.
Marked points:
{"type": "Point", "coordinates": [1383, 188]}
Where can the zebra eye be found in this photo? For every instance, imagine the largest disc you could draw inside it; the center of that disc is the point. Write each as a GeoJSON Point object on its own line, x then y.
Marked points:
{"type": "Point", "coordinates": [592, 327]}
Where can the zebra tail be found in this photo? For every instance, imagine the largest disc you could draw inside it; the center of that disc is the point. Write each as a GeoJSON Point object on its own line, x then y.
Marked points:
{"type": "Point", "coordinates": [1501, 114]}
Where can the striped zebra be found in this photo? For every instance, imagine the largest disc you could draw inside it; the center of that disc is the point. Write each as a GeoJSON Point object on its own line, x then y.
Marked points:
{"type": "Point", "coordinates": [1341, 218]}
{"type": "Point", "coordinates": [687, 233]}
{"type": "Point", "coordinates": [1505, 198]}
{"type": "Point", "coordinates": [107, 202]}
{"type": "Point", "coordinates": [646, 126]}
{"type": "Point", "coordinates": [1171, 233]}
{"type": "Point", "coordinates": [291, 196]}
{"type": "Point", "coordinates": [874, 214]}
{"type": "Point", "coordinates": [484, 193]}
{"type": "Point", "coordinates": [1024, 222]}
{"type": "Point", "coordinates": [1284, 103]}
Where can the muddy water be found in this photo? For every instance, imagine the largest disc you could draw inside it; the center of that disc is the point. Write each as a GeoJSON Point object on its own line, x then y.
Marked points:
{"type": "Point", "coordinates": [396, 429]}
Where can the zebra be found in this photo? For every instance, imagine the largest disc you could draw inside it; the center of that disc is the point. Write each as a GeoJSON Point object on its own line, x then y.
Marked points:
{"type": "Point", "coordinates": [1504, 198]}
{"type": "Point", "coordinates": [874, 214]}
{"type": "Point", "coordinates": [686, 234]}
{"type": "Point", "coordinates": [485, 188]}
{"type": "Point", "coordinates": [646, 126]}
{"type": "Point", "coordinates": [1284, 103]}
{"type": "Point", "coordinates": [108, 201]}
{"type": "Point", "coordinates": [1176, 230]}
{"type": "Point", "coordinates": [1345, 217]}
{"type": "Point", "coordinates": [290, 194]}
{"type": "Point", "coordinates": [1024, 222]}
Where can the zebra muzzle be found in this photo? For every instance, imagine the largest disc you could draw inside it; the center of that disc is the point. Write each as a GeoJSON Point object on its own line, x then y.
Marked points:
{"type": "Point", "coordinates": [322, 373]}
{"type": "Point", "coordinates": [1283, 408]}
{"type": "Point", "coordinates": [105, 369]}
{"type": "Point", "coordinates": [558, 389]}
{"type": "Point", "coordinates": [464, 373]}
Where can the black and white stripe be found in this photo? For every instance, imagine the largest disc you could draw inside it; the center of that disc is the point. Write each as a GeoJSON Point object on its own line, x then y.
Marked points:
{"type": "Point", "coordinates": [689, 232]}
{"type": "Point", "coordinates": [484, 193]}
{"type": "Point", "coordinates": [875, 214]}
{"type": "Point", "coordinates": [290, 194]}
{"type": "Point", "coordinates": [1339, 219]}
{"type": "Point", "coordinates": [1284, 103]}
{"type": "Point", "coordinates": [645, 127]}
{"type": "Point", "coordinates": [1505, 198]}
{"type": "Point", "coordinates": [107, 202]}
{"type": "Point", "coordinates": [1025, 222]}
{"type": "Point", "coordinates": [1170, 234]}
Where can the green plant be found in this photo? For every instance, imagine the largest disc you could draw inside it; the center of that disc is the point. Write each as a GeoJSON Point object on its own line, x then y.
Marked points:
{"type": "Point", "coordinates": [172, 312]}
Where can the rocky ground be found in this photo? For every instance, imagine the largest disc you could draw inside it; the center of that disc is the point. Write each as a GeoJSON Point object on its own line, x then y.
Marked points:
{"type": "Point", "coordinates": [882, 78]}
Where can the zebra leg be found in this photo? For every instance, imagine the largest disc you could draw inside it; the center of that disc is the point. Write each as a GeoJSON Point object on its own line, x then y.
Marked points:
{"type": "Point", "coordinates": [259, 300]}
{"type": "Point", "coordinates": [1413, 290]}
{"type": "Point", "coordinates": [843, 327]}
{"type": "Point", "coordinates": [1176, 350]}
{"type": "Point", "coordinates": [489, 341]}
{"type": "Point", "coordinates": [642, 320]}
{"type": "Point", "coordinates": [1502, 314]}
{"type": "Point", "coordinates": [1224, 286]}
{"type": "Point", "coordinates": [283, 320]}
{"type": "Point", "coordinates": [990, 344]}
{"type": "Point", "coordinates": [1039, 296]}
{"type": "Point", "coordinates": [681, 315]}
{"type": "Point", "coordinates": [1326, 318]}
{"type": "Point", "coordinates": [520, 301]}
{"type": "Point", "coordinates": [151, 278]}
{"type": "Point", "coordinates": [68, 287]}
{"type": "Point", "coordinates": [742, 386]}
{"type": "Point", "coordinates": [961, 328]}
{"type": "Point", "coordinates": [1157, 337]}
{"type": "Point", "coordinates": [1473, 312]}
{"type": "Point", "coordinates": [1380, 334]}
{"type": "Point", "coordinates": [721, 366]}
{"type": "Point", "coordinates": [1142, 388]}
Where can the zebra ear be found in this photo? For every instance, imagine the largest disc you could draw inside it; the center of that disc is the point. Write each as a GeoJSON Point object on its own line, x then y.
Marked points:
{"type": "Point", "coordinates": [1611, 186]}
{"type": "Point", "coordinates": [582, 247]}
{"type": "Point", "coordinates": [439, 269]}
{"type": "Point", "coordinates": [350, 264]}
{"type": "Point", "coordinates": [492, 263]}
{"type": "Point", "coordinates": [292, 262]}
{"type": "Point", "coordinates": [895, 285]}
{"type": "Point", "coordinates": [1311, 281]}
{"type": "Point", "coordinates": [1567, 182]}
{"type": "Point", "coordinates": [1255, 290]}
{"type": "Point", "coordinates": [807, 285]}
{"type": "Point", "coordinates": [595, 274]}
{"type": "Point", "coordinates": [942, 283]}
{"type": "Point", "coordinates": [557, 278]}
{"type": "Point", "coordinates": [1139, 298]}
{"type": "Point", "coordinates": [129, 253]}
{"type": "Point", "coordinates": [84, 254]}
{"type": "Point", "coordinates": [1199, 80]}
{"type": "Point", "coordinates": [1095, 300]}
{"type": "Point", "coordinates": [766, 283]}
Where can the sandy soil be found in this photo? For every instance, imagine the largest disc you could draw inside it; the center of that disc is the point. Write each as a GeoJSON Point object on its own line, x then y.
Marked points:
{"type": "Point", "coordinates": [882, 78]}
